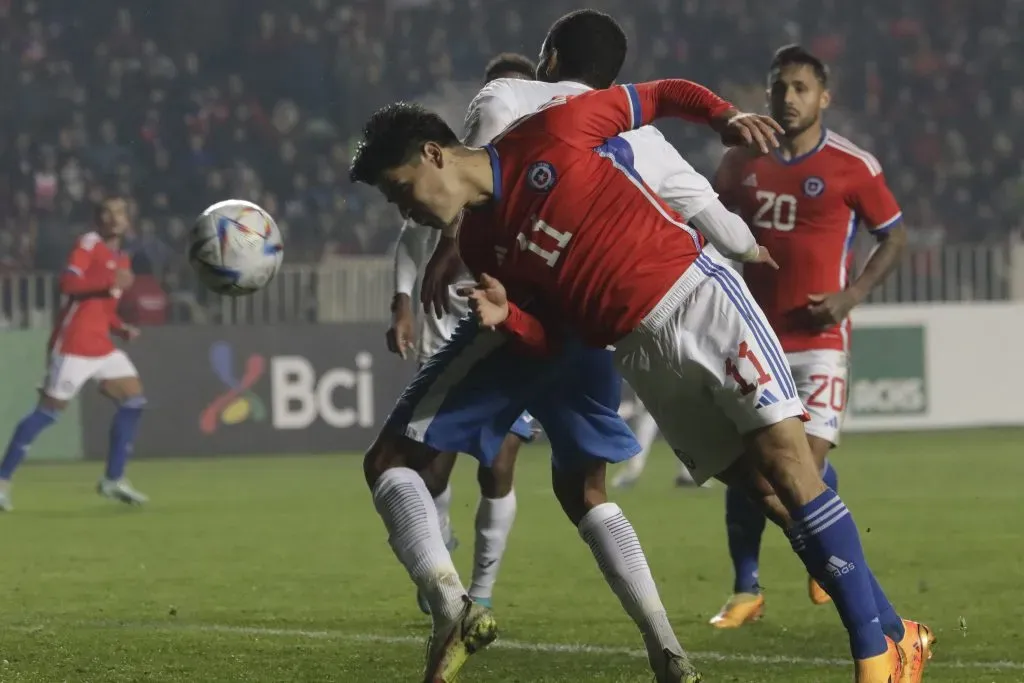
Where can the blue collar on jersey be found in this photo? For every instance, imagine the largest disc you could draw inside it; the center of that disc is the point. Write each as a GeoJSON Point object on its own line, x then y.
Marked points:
{"type": "Point", "coordinates": [796, 160]}
{"type": "Point", "coordinates": [495, 171]}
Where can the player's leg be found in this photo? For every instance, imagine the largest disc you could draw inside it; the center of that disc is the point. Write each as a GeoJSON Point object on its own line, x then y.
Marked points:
{"type": "Point", "coordinates": [119, 381]}
{"type": "Point", "coordinates": [755, 389]}
{"type": "Point", "coordinates": [458, 402]}
{"type": "Point", "coordinates": [437, 477]}
{"type": "Point", "coordinates": [646, 430]}
{"type": "Point", "coordinates": [496, 513]}
{"type": "Point", "coordinates": [586, 433]}
{"type": "Point", "coordinates": [64, 378]}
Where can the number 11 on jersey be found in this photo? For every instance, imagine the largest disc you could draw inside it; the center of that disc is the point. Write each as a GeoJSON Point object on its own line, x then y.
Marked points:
{"type": "Point", "coordinates": [532, 241]}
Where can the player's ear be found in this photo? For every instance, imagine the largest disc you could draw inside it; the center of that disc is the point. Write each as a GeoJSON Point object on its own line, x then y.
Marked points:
{"type": "Point", "coordinates": [433, 154]}
{"type": "Point", "coordinates": [825, 100]}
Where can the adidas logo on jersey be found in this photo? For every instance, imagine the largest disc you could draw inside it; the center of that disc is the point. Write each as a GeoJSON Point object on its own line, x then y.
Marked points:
{"type": "Point", "coordinates": [750, 180]}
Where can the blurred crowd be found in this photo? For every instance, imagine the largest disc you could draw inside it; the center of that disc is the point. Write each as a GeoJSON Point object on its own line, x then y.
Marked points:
{"type": "Point", "coordinates": [180, 103]}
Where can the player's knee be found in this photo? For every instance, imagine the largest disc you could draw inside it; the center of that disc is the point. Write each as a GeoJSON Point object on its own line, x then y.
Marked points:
{"type": "Point", "coordinates": [579, 491]}
{"type": "Point", "coordinates": [51, 404]}
{"type": "Point", "coordinates": [382, 455]}
{"type": "Point", "coordinates": [496, 481]}
{"type": "Point", "coordinates": [783, 456]}
{"type": "Point", "coordinates": [437, 474]}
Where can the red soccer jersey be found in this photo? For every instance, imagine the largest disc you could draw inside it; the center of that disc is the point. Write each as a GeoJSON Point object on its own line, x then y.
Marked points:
{"type": "Point", "coordinates": [89, 310]}
{"type": "Point", "coordinates": [806, 212]}
{"type": "Point", "coordinates": [571, 226]}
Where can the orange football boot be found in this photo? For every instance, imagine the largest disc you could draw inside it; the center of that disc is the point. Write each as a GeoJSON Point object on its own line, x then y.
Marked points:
{"type": "Point", "coordinates": [884, 668]}
{"type": "Point", "coordinates": [742, 608]}
{"type": "Point", "coordinates": [917, 649]}
{"type": "Point", "coordinates": [816, 593]}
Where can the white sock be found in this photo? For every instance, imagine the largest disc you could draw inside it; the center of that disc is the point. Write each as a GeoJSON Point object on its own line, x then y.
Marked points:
{"type": "Point", "coordinates": [646, 432]}
{"type": "Point", "coordinates": [621, 559]}
{"type": "Point", "coordinates": [443, 505]}
{"type": "Point", "coordinates": [494, 518]}
{"type": "Point", "coordinates": [404, 503]}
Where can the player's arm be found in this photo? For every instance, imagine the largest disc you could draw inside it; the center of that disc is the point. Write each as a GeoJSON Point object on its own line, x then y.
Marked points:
{"type": "Point", "coordinates": [588, 120]}
{"type": "Point", "coordinates": [874, 203]}
{"type": "Point", "coordinates": [489, 304]}
{"type": "Point", "coordinates": [78, 282]}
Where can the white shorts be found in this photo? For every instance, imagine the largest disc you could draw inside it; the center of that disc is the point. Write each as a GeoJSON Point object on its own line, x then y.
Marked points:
{"type": "Point", "coordinates": [67, 374]}
{"type": "Point", "coordinates": [821, 380]}
{"type": "Point", "coordinates": [709, 368]}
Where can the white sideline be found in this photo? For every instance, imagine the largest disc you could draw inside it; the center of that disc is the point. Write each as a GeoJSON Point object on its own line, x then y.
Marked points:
{"type": "Point", "coordinates": [553, 648]}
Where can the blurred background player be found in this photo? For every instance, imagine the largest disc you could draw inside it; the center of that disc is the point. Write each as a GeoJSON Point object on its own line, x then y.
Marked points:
{"type": "Point", "coordinates": [80, 349]}
{"type": "Point", "coordinates": [804, 202]}
{"type": "Point", "coordinates": [496, 510]}
{"type": "Point", "coordinates": [646, 430]}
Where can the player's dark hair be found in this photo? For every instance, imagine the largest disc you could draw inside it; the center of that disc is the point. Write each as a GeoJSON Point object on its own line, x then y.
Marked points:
{"type": "Point", "coordinates": [394, 135]}
{"type": "Point", "coordinates": [591, 47]}
{"type": "Point", "coordinates": [788, 55]}
{"type": "Point", "coordinates": [510, 63]}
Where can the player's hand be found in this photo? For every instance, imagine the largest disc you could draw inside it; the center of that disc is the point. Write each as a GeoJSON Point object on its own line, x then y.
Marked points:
{"type": "Point", "coordinates": [488, 301]}
{"type": "Point", "coordinates": [123, 279]}
{"type": "Point", "coordinates": [129, 333]}
{"type": "Point", "coordinates": [828, 310]}
{"type": "Point", "coordinates": [400, 336]}
{"type": "Point", "coordinates": [763, 256]}
{"type": "Point", "coordinates": [441, 271]}
{"type": "Point", "coordinates": [754, 131]}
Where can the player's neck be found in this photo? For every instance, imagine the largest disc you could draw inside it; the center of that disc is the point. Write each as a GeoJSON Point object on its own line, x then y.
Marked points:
{"type": "Point", "coordinates": [801, 144]}
{"type": "Point", "coordinates": [478, 176]}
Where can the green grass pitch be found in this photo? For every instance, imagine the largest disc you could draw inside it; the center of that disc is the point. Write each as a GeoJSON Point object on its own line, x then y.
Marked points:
{"type": "Point", "coordinates": [277, 570]}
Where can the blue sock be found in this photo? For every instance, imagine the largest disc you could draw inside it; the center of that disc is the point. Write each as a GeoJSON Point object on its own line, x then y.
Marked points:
{"type": "Point", "coordinates": [826, 539]}
{"type": "Point", "coordinates": [744, 525]}
{"type": "Point", "coordinates": [122, 434]}
{"type": "Point", "coordinates": [892, 624]}
{"type": "Point", "coordinates": [830, 476]}
{"type": "Point", "coordinates": [31, 426]}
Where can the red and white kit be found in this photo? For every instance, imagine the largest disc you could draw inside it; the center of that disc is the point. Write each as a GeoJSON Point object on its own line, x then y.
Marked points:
{"type": "Point", "coordinates": [806, 211]}
{"type": "Point", "coordinates": [80, 347]}
{"type": "Point", "coordinates": [576, 231]}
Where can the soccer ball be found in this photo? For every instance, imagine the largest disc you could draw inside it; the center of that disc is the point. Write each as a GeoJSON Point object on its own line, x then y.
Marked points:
{"type": "Point", "coordinates": [235, 248]}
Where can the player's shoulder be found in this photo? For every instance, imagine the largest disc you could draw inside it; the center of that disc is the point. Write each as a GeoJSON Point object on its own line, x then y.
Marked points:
{"type": "Point", "coordinates": [89, 241]}
{"type": "Point", "coordinates": [839, 149]}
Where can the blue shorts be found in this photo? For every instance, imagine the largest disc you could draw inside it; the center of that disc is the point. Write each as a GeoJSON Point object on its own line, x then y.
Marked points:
{"type": "Point", "coordinates": [469, 394]}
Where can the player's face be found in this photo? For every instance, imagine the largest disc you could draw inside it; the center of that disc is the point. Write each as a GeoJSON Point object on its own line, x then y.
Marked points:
{"type": "Point", "coordinates": [796, 97]}
{"type": "Point", "coordinates": [114, 217]}
{"type": "Point", "coordinates": [424, 189]}
{"type": "Point", "coordinates": [547, 63]}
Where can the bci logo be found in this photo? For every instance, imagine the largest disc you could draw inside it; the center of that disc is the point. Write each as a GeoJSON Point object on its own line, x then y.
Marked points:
{"type": "Point", "coordinates": [341, 397]}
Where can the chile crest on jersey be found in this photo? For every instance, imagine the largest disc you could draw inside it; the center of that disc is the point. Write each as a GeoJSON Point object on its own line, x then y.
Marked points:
{"type": "Point", "coordinates": [541, 176]}
{"type": "Point", "coordinates": [814, 186]}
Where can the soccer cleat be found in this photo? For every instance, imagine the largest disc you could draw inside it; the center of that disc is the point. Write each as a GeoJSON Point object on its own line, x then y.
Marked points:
{"type": "Point", "coordinates": [421, 600]}
{"type": "Point", "coordinates": [884, 668]}
{"type": "Point", "coordinates": [121, 490]}
{"type": "Point", "coordinates": [917, 650]}
{"type": "Point", "coordinates": [677, 669]}
{"type": "Point", "coordinates": [483, 602]}
{"type": "Point", "coordinates": [742, 608]}
{"type": "Point", "coordinates": [450, 647]}
{"type": "Point", "coordinates": [5, 502]}
{"type": "Point", "coordinates": [816, 593]}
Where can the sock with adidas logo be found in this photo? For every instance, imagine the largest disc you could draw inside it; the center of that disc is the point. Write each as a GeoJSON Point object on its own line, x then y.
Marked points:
{"type": "Point", "coordinates": [826, 539]}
